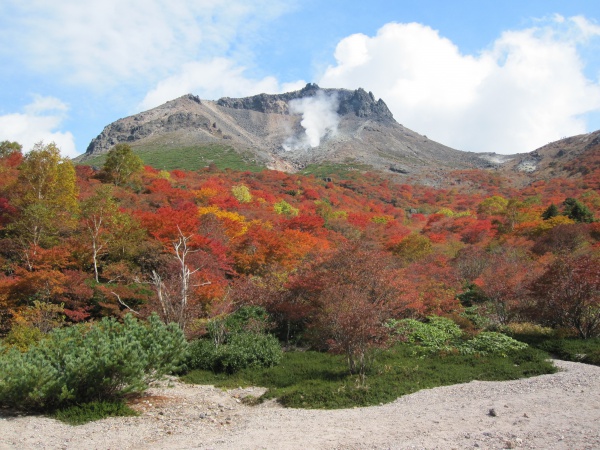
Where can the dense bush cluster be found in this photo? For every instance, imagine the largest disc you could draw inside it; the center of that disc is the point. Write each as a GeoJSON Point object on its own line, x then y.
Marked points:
{"type": "Point", "coordinates": [491, 343]}
{"type": "Point", "coordinates": [84, 363]}
{"type": "Point", "coordinates": [236, 342]}
{"type": "Point", "coordinates": [440, 334]}
{"type": "Point", "coordinates": [241, 350]}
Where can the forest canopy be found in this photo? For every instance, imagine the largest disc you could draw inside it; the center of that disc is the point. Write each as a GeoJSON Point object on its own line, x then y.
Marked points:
{"type": "Point", "coordinates": [192, 245]}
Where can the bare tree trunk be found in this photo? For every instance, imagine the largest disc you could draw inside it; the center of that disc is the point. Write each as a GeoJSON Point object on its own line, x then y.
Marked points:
{"type": "Point", "coordinates": [182, 250]}
{"type": "Point", "coordinates": [96, 245]}
{"type": "Point", "coordinates": [174, 300]}
{"type": "Point", "coordinates": [163, 297]}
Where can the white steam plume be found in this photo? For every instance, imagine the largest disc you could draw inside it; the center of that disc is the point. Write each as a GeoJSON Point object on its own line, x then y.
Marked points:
{"type": "Point", "coordinates": [319, 119]}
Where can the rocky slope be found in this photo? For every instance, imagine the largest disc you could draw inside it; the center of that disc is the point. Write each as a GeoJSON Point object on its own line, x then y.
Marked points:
{"type": "Point", "coordinates": [560, 158]}
{"type": "Point", "coordinates": [290, 131]}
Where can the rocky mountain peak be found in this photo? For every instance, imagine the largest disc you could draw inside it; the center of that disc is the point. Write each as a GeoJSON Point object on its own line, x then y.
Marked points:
{"type": "Point", "coordinates": [363, 104]}
{"type": "Point", "coordinates": [289, 131]}
{"type": "Point", "coordinates": [357, 102]}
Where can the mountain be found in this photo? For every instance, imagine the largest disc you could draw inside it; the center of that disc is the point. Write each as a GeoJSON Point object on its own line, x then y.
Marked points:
{"type": "Point", "coordinates": [316, 127]}
{"type": "Point", "coordinates": [568, 157]}
{"type": "Point", "coordinates": [290, 132]}
{"type": "Point", "coordinates": [575, 158]}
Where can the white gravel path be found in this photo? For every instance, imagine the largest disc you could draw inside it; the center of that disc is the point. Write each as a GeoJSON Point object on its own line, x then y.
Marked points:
{"type": "Point", "coordinates": [558, 411]}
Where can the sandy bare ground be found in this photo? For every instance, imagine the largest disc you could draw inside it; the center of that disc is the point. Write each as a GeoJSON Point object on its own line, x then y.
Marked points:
{"type": "Point", "coordinates": [559, 411]}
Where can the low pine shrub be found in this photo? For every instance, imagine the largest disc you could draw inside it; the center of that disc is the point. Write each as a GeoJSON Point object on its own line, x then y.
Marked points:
{"type": "Point", "coordinates": [85, 363]}
{"type": "Point", "coordinates": [89, 412]}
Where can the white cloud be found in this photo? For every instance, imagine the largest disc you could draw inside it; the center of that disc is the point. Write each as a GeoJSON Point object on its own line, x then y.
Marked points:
{"type": "Point", "coordinates": [210, 80]}
{"type": "Point", "coordinates": [110, 42]}
{"type": "Point", "coordinates": [527, 89]}
{"type": "Point", "coordinates": [39, 122]}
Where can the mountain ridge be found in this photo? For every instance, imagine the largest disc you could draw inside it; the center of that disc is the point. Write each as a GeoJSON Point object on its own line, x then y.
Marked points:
{"type": "Point", "coordinates": [273, 128]}
{"type": "Point", "coordinates": [353, 128]}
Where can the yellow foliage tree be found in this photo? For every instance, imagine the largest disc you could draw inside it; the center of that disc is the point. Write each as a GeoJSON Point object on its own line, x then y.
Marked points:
{"type": "Point", "coordinates": [46, 193]}
{"type": "Point", "coordinates": [492, 206]}
{"type": "Point", "coordinates": [45, 176]}
{"type": "Point", "coordinates": [235, 224]}
{"type": "Point", "coordinates": [242, 193]}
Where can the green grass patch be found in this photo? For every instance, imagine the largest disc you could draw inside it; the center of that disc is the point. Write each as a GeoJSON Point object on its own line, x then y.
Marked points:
{"type": "Point", "coordinates": [190, 158]}
{"type": "Point", "coordinates": [321, 381]}
{"type": "Point", "coordinates": [337, 170]}
{"type": "Point", "coordinates": [570, 348]}
{"type": "Point", "coordinates": [89, 412]}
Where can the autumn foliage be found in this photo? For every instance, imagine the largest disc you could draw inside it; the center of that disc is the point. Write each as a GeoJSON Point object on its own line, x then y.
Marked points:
{"type": "Point", "coordinates": [330, 260]}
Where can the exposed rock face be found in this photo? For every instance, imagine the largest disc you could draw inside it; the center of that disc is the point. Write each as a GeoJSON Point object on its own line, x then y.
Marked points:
{"type": "Point", "coordinates": [136, 128]}
{"type": "Point", "coordinates": [359, 102]}
{"type": "Point", "coordinates": [365, 132]}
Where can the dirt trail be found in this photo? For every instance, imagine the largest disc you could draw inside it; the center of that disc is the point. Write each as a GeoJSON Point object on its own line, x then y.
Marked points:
{"type": "Point", "coordinates": [558, 411]}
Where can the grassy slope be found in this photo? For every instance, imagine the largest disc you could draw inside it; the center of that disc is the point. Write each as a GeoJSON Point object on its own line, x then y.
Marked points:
{"type": "Point", "coordinates": [197, 157]}
{"type": "Point", "coordinates": [331, 169]}
{"type": "Point", "coordinates": [189, 158]}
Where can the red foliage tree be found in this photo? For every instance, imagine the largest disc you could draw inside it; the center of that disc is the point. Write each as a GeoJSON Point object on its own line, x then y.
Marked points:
{"type": "Point", "coordinates": [355, 292]}
{"type": "Point", "coordinates": [504, 282]}
{"type": "Point", "coordinates": [568, 294]}
{"type": "Point", "coordinates": [306, 223]}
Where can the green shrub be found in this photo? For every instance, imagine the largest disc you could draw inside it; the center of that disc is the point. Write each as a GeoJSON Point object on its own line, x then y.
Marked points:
{"type": "Point", "coordinates": [242, 350]}
{"type": "Point", "coordinates": [236, 341]}
{"type": "Point", "coordinates": [247, 318]}
{"type": "Point", "coordinates": [471, 296]}
{"type": "Point", "coordinates": [473, 314]}
{"type": "Point", "coordinates": [438, 333]}
{"type": "Point", "coordinates": [84, 363]}
{"type": "Point", "coordinates": [491, 343]}
{"type": "Point", "coordinates": [249, 350]}
{"type": "Point", "coordinates": [203, 354]}
{"type": "Point", "coordinates": [88, 412]}
{"type": "Point", "coordinates": [593, 357]}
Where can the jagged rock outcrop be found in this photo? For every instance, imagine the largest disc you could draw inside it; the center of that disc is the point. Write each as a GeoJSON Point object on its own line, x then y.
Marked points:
{"type": "Point", "coordinates": [357, 102]}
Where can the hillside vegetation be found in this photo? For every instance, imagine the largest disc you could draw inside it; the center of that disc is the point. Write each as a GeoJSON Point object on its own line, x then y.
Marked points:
{"type": "Point", "coordinates": [188, 158]}
{"type": "Point", "coordinates": [335, 264]}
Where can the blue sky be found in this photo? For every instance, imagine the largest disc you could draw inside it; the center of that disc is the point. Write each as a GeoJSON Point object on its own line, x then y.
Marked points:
{"type": "Point", "coordinates": [506, 76]}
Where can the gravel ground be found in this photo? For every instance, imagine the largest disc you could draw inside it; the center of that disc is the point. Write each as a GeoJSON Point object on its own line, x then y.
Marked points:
{"type": "Point", "coordinates": [558, 411]}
